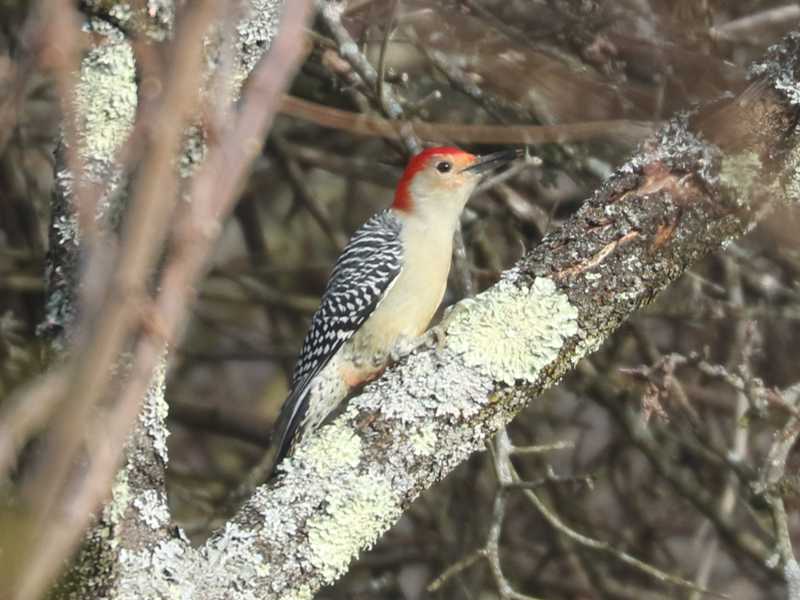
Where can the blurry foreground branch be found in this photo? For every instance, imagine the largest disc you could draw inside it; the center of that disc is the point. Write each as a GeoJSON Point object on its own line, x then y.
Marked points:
{"type": "Point", "coordinates": [117, 330]}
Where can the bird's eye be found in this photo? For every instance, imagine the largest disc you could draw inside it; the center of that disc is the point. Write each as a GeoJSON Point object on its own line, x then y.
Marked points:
{"type": "Point", "coordinates": [443, 166]}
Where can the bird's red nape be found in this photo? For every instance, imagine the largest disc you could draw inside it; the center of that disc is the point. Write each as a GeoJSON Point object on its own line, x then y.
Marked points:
{"type": "Point", "coordinates": [402, 197]}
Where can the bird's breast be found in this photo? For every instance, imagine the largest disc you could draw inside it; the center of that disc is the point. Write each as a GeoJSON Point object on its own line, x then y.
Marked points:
{"type": "Point", "coordinates": [414, 296]}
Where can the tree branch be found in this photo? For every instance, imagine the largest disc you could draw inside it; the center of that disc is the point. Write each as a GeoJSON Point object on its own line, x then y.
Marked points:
{"type": "Point", "coordinates": [701, 182]}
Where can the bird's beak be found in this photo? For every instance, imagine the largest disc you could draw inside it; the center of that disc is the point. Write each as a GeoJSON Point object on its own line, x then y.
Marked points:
{"type": "Point", "coordinates": [489, 162]}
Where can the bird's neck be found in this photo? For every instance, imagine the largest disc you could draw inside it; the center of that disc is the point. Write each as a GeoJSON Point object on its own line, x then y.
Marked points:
{"type": "Point", "coordinates": [435, 217]}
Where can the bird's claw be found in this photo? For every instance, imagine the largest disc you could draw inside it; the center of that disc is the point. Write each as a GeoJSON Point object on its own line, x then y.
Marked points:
{"type": "Point", "coordinates": [435, 337]}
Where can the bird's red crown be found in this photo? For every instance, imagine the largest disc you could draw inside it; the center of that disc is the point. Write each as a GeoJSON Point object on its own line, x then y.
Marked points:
{"type": "Point", "coordinates": [402, 197]}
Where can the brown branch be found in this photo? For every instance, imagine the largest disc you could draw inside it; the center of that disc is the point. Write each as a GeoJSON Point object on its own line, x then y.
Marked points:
{"type": "Point", "coordinates": [620, 131]}
{"type": "Point", "coordinates": [750, 27]}
{"type": "Point", "coordinates": [154, 197]}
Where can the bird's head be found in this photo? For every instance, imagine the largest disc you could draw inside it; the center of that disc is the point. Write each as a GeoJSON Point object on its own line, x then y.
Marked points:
{"type": "Point", "coordinates": [443, 178]}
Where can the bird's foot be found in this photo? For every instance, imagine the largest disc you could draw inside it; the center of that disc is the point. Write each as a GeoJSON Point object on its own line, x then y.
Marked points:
{"type": "Point", "coordinates": [405, 346]}
{"type": "Point", "coordinates": [433, 338]}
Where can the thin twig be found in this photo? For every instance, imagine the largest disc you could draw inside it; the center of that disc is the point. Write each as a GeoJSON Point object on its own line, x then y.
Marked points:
{"type": "Point", "coordinates": [745, 28]}
{"type": "Point", "coordinates": [772, 475]}
{"type": "Point", "coordinates": [619, 131]}
{"type": "Point", "coordinates": [384, 47]}
{"type": "Point", "coordinates": [214, 419]}
{"type": "Point", "coordinates": [348, 49]}
{"type": "Point", "coordinates": [598, 545]}
{"type": "Point", "coordinates": [297, 180]}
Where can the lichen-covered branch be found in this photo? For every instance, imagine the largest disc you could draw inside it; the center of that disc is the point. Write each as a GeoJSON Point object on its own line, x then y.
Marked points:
{"type": "Point", "coordinates": [703, 181]}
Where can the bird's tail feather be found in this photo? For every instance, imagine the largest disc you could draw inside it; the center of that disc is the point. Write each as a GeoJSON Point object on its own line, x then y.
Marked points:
{"type": "Point", "coordinates": [289, 420]}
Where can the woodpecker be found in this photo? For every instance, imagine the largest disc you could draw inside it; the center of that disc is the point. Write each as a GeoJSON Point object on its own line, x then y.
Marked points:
{"type": "Point", "coordinates": [384, 289]}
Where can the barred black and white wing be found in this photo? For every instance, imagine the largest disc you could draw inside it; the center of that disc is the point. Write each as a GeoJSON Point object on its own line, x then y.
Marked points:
{"type": "Point", "coordinates": [360, 279]}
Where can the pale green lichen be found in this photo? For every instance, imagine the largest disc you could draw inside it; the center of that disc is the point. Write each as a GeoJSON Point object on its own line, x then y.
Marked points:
{"type": "Point", "coordinates": [152, 507]}
{"type": "Point", "coordinates": [235, 553]}
{"type": "Point", "coordinates": [423, 441]}
{"type": "Point", "coordinates": [115, 510]}
{"type": "Point", "coordinates": [194, 151]}
{"type": "Point", "coordinates": [740, 173]}
{"type": "Point", "coordinates": [778, 66]}
{"type": "Point", "coordinates": [67, 229]}
{"type": "Point", "coordinates": [791, 176]}
{"type": "Point", "coordinates": [105, 100]}
{"type": "Point", "coordinates": [447, 391]}
{"type": "Point", "coordinates": [586, 344]}
{"type": "Point", "coordinates": [333, 447]}
{"type": "Point", "coordinates": [511, 333]}
{"type": "Point", "coordinates": [153, 20]}
{"type": "Point", "coordinates": [172, 561]}
{"type": "Point", "coordinates": [350, 522]}
{"type": "Point", "coordinates": [230, 567]}
{"type": "Point", "coordinates": [161, 20]}
{"type": "Point", "coordinates": [254, 32]}
{"type": "Point", "coordinates": [122, 12]}
{"type": "Point", "coordinates": [351, 513]}
{"type": "Point", "coordinates": [791, 573]}
{"type": "Point", "coordinates": [302, 593]}
{"type": "Point", "coordinates": [105, 104]}
{"type": "Point", "coordinates": [155, 410]}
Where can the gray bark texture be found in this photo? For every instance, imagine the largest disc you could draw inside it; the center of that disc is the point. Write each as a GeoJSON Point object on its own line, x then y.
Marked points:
{"type": "Point", "coordinates": [702, 181]}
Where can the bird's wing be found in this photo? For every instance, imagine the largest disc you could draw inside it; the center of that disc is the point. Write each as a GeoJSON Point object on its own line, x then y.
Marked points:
{"type": "Point", "coordinates": [363, 273]}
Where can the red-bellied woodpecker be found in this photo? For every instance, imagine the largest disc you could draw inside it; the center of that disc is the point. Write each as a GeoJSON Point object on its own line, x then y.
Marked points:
{"type": "Point", "coordinates": [384, 288]}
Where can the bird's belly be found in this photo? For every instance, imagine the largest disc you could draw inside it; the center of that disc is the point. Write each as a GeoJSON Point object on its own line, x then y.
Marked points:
{"type": "Point", "coordinates": [366, 354]}
{"type": "Point", "coordinates": [405, 312]}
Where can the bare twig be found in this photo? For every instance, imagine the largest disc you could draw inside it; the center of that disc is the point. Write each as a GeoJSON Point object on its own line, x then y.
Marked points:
{"type": "Point", "coordinates": [491, 550]}
{"type": "Point", "coordinates": [248, 428]}
{"type": "Point", "coordinates": [620, 131]}
{"type": "Point", "coordinates": [297, 180]}
{"type": "Point", "coordinates": [739, 443]}
{"type": "Point", "coordinates": [745, 543]}
{"type": "Point", "coordinates": [387, 101]}
{"type": "Point", "coordinates": [540, 449]}
{"type": "Point", "coordinates": [389, 30]}
{"type": "Point", "coordinates": [749, 27]}
{"type": "Point", "coordinates": [605, 547]}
